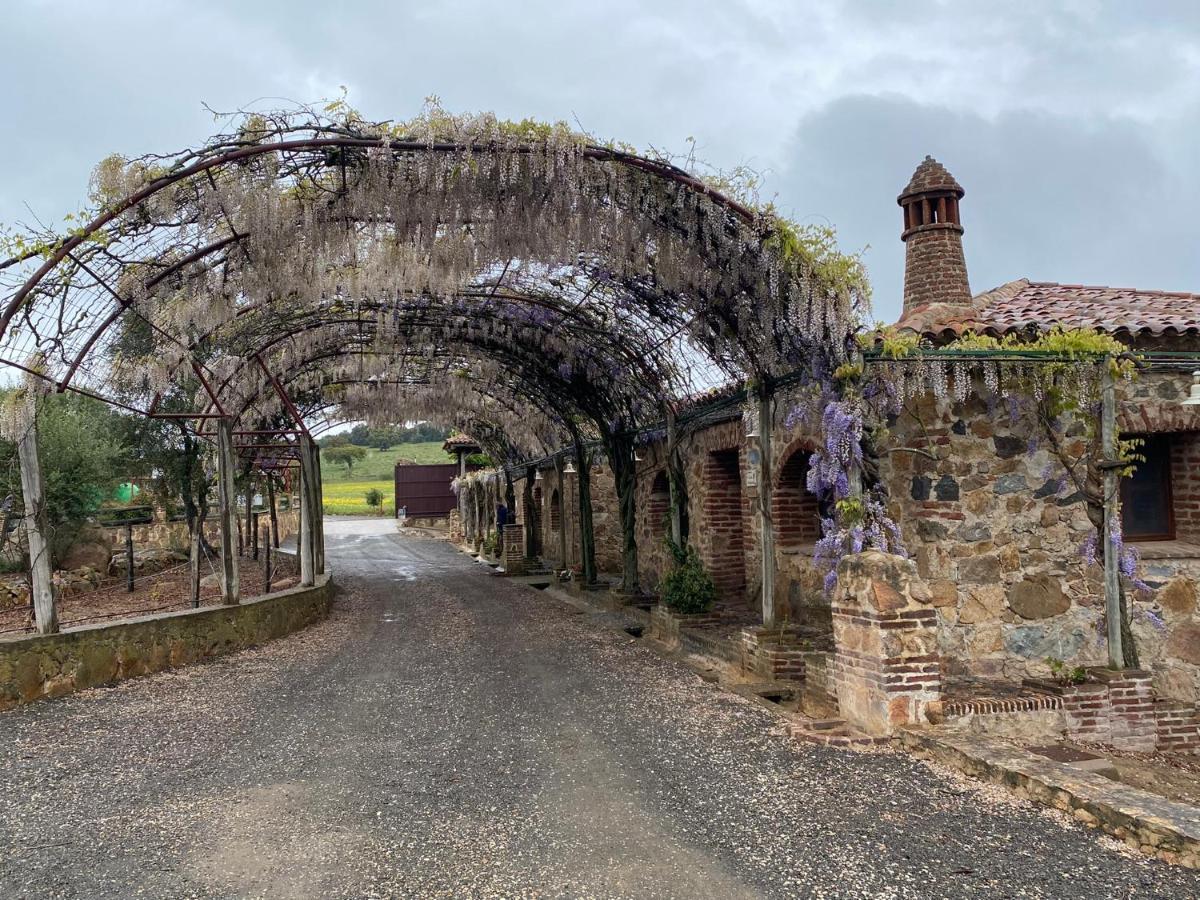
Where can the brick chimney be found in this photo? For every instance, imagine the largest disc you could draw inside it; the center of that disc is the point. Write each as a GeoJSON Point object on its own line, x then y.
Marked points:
{"type": "Point", "coordinates": [935, 270]}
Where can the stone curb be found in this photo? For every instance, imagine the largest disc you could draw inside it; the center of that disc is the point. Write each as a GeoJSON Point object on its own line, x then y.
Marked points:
{"type": "Point", "coordinates": [1144, 821]}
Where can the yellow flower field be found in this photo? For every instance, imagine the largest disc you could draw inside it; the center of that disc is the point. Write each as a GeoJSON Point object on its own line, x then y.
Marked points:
{"type": "Point", "coordinates": [349, 498]}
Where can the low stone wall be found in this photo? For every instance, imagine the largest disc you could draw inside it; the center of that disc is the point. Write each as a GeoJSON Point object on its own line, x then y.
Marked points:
{"type": "Point", "coordinates": [44, 666]}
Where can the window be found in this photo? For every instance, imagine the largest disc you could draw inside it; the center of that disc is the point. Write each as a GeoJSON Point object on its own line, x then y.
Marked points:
{"type": "Point", "coordinates": [1147, 509]}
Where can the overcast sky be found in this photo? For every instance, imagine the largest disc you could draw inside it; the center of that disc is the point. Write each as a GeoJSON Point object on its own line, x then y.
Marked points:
{"type": "Point", "coordinates": [1073, 125]}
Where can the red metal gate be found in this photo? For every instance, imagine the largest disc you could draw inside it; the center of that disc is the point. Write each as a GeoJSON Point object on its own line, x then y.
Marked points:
{"type": "Point", "coordinates": [425, 490]}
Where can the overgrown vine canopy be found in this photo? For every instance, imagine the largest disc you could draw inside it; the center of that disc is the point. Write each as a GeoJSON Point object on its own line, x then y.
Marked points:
{"type": "Point", "coordinates": [447, 267]}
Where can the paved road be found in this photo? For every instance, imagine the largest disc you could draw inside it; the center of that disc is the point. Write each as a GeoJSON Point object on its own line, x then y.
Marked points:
{"type": "Point", "coordinates": [446, 733]}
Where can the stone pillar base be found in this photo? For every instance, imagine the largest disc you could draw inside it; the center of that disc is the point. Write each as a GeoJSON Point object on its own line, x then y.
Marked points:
{"type": "Point", "coordinates": [514, 550]}
{"type": "Point", "coordinates": [886, 665]}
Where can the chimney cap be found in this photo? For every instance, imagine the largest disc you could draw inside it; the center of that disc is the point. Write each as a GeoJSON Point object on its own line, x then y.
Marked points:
{"type": "Point", "coordinates": [930, 177]}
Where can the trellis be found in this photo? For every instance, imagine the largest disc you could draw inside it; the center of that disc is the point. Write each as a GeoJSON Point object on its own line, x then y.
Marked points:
{"type": "Point", "coordinates": [309, 263]}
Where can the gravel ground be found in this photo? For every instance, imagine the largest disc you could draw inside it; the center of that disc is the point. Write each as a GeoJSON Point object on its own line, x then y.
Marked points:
{"type": "Point", "coordinates": [449, 734]}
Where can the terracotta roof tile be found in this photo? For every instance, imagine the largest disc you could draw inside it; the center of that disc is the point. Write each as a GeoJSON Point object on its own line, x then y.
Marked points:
{"type": "Point", "coordinates": [1039, 305]}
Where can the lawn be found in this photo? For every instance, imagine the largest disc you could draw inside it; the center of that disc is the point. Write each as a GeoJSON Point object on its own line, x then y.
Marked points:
{"type": "Point", "coordinates": [345, 490]}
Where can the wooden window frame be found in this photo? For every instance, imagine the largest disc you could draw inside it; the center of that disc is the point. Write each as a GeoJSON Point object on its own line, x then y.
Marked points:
{"type": "Point", "coordinates": [1168, 485]}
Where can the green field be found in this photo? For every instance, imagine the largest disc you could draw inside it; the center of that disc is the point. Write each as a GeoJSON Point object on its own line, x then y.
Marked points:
{"type": "Point", "coordinates": [345, 491]}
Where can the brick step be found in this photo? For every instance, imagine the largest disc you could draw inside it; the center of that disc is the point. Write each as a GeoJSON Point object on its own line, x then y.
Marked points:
{"type": "Point", "coordinates": [833, 733]}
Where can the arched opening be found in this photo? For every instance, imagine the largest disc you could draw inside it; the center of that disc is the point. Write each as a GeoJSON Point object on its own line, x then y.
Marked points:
{"type": "Point", "coordinates": [555, 512]}
{"type": "Point", "coordinates": [658, 507]}
{"type": "Point", "coordinates": [535, 515]}
{"type": "Point", "coordinates": [796, 512]}
{"type": "Point", "coordinates": [723, 526]}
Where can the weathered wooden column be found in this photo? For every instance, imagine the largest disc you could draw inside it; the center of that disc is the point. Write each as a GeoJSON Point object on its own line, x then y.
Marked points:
{"type": "Point", "coordinates": [318, 508]}
{"type": "Point", "coordinates": [274, 513]}
{"type": "Point", "coordinates": [1111, 485]}
{"type": "Point", "coordinates": [41, 582]}
{"type": "Point", "coordinates": [530, 519]}
{"type": "Point", "coordinates": [197, 548]}
{"type": "Point", "coordinates": [765, 522]}
{"type": "Point", "coordinates": [304, 541]}
{"type": "Point", "coordinates": [227, 498]}
{"type": "Point", "coordinates": [563, 506]}
{"type": "Point", "coordinates": [673, 479]}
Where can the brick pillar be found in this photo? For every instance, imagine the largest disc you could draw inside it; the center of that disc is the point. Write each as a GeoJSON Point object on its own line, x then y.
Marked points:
{"type": "Point", "coordinates": [886, 664]}
{"type": "Point", "coordinates": [1131, 717]}
{"type": "Point", "coordinates": [514, 549]}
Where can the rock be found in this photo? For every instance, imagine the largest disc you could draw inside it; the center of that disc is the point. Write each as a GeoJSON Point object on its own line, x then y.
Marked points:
{"type": "Point", "coordinates": [928, 530]}
{"type": "Point", "coordinates": [943, 593]}
{"type": "Point", "coordinates": [920, 487]}
{"type": "Point", "coordinates": [1184, 643]}
{"type": "Point", "coordinates": [983, 604]}
{"type": "Point", "coordinates": [984, 569]}
{"type": "Point", "coordinates": [1049, 516]}
{"type": "Point", "coordinates": [1049, 489]}
{"type": "Point", "coordinates": [1007, 447]}
{"type": "Point", "coordinates": [91, 549]}
{"type": "Point", "coordinates": [976, 532]}
{"type": "Point", "coordinates": [1038, 642]}
{"type": "Point", "coordinates": [1178, 596]}
{"type": "Point", "coordinates": [946, 489]}
{"type": "Point", "coordinates": [1038, 597]}
{"type": "Point", "coordinates": [1010, 484]}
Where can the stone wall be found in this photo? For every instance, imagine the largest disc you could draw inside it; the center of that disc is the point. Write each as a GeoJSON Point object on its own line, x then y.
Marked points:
{"type": "Point", "coordinates": [997, 531]}
{"type": "Point", "coordinates": [45, 666]}
{"type": "Point", "coordinates": [167, 534]}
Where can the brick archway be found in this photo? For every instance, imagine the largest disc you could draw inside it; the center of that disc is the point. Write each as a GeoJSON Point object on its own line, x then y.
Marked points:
{"type": "Point", "coordinates": [535, 517]}
{"type": "Point", "coordinates": [658, 504]}
{"type": "Point", "coordinates": [723, 520]}
{"type": "Point", "coordinates": [795, 511]}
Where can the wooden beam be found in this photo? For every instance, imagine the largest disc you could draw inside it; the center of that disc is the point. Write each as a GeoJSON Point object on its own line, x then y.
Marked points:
{"type": "Point", "coordinates": [45, 610]}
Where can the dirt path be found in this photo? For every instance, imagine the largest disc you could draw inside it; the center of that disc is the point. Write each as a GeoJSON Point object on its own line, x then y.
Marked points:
{"type": "Point", "coordinates": [447, 733]}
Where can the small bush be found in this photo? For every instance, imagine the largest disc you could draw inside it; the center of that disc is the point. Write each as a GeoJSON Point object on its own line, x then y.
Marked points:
{"type": "Point", "coordinates": [687, 588]}
{"type": "Point", "coordinates": [1065, 674]}
{"type": "Point", "coordinates": [374, 498]}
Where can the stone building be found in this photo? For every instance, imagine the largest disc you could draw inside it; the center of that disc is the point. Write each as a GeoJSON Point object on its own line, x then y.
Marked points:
{"type": "Point", "coordinates": [996, 583]}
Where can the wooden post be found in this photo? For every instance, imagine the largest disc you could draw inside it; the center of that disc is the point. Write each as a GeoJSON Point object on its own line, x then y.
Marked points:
{"type": "Point", "coordinates": [129, 558]}
{"type": "Point", "coordinates": [41, 582]}
{"type": "Point", "coordinates": [194, 560]}
{"type": "Point", "coordinates": [673, 480]}
{"type": "Point", "coordinates": [563, 506]}
{"type": "Point", "coordinates": [311, 453]}
{"type": "Point", "coordinates": [1112, 576]}
{"type": "Point", "coordinates": [266, 555]}
{"type": "Point", "coordinates": [274, 515]}
{"type": "Point", "coordinates": [305, 538]}
{"type": "Point", "coordinates": [227, 498]}
{"type": "Point", "coordinates": [766, 526]}
{"type": "Point", "coordinates": [254, 536]}
{"type": "Point", "coordinates": [251, 535]}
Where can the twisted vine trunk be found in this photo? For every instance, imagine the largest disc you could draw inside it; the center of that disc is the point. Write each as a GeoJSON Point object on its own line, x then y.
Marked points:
{"type": "Point", "coordinates": [587, 535]}
{"type": "Point", "coordinates": [527, 501]}
{"type": "Point", "coordinates": [621, 457]}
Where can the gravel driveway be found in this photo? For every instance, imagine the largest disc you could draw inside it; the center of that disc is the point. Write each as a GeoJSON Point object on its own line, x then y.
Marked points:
{"type": "Point", "coordinates": [448, 734]}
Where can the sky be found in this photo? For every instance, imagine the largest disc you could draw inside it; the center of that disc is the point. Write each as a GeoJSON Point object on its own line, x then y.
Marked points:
{"type": "Point", "coordinates": [1073, 125]}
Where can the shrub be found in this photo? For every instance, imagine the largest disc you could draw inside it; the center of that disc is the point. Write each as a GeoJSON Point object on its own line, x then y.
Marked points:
{"type": "Point", "coordinates": [687, 588]}
{"type": "Point", "coordinates": [374, 498]}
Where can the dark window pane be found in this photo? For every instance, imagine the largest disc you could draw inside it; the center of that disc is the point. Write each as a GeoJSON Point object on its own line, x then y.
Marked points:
{"type": "Point", "coordinates": [1146, 495]}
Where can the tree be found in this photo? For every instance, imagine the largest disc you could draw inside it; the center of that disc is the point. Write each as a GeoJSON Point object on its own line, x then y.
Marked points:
{"type": "Point", "coordinates": [375, 499]}
{"type": "Point", "coordinates": [347, 455]}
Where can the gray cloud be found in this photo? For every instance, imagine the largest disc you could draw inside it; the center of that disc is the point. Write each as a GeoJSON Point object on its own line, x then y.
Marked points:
{"type": "Point", "coordinates": [1071, 124]}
